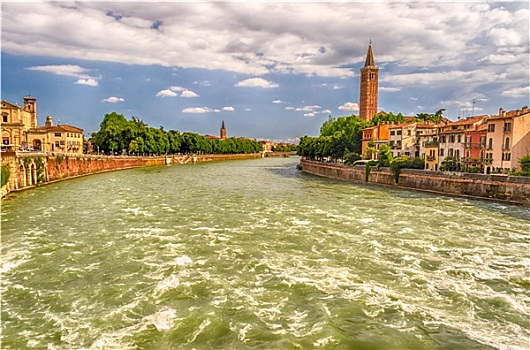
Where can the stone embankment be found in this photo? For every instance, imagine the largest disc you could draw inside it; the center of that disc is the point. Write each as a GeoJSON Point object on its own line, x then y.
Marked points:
{"type": "Point", "coordinates": [512, 189]}
{"type": "Point", "coordinates": [28, 170]}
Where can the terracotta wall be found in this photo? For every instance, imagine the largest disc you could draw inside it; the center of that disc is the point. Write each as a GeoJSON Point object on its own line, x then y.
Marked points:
{"type": "Point", "coordinates": [511, 189]}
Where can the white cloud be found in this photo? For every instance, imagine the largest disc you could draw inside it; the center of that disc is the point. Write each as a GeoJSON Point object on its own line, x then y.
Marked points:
{"type": "Point", "coordinates": [83, 78]}
{"type": "Point", "coordinates": [228, 109]}
{"type": "Point", "coordinates": [177, 88]}
{"type": "Point", "coordinates": [277, 101]}
{"type": "Point", "coordinates": [349, 106]}
{"type": "Point", "coordinates": [188, 93]}
{"type": "Point", "coordinates": [309, 115]}
{"type": "Point", "coordinates": [166, 93]}
{"type": "Point", "coordinates": [113, 99]}
{"type": "Point", "coordinates": [388, 89]}
{"type": "Point", "coordinates": [517, 92]}
{"type": "Point", "coordinates": [308, 108]}
{"type": "Point", "coordinates": [289, 108]}
{"type": "Point", "coordinates": [257, 82]}
{"type": "Point", "coordinates": [199, 110]}
{"type": "Point", "coordinates": [89, 82]}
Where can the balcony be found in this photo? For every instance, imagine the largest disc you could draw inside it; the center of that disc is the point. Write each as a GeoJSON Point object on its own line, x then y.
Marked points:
{"type": "Point", "coordinates": [431, 158]}
{"type": "Point", "coordinates": [432, 144]}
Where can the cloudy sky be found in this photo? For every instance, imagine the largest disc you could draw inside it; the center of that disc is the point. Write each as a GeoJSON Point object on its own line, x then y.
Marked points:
{"type": "Point", "coordinates": [273, 70]}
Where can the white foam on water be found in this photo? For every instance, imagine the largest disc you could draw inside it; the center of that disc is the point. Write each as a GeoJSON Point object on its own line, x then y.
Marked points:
{"type": "Point", "coordinates": [376, 244]}
{"type": "Point", "coordinates": [9, 265]}
{"type": "Point", "coordinates": [163, 320]}
{"type": "Point", "coordinates": [183, 260]}
{"type": "Point", "coordinates": [170, 282]}
{"type": "Point", "coordinates": [137, 211]}
{"type": "Point", "coordinates": [366, 220]}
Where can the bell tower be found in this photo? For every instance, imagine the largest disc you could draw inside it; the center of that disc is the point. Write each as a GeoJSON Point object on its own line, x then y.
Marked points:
{"type": "Point", "coordinates": [369, 87]}
{"type": "Point", "coordinates": [223, 131]}
{"type": "Point", "coordinates": [30, 105]}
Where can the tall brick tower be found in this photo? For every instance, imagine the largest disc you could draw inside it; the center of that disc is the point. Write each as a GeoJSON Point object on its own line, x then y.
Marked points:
{"type": "Point", "coordinates": [30, 105]}
{"type": "Point", "coordinates": [369, 85]}
{"type": "Point", "coordinates": [223, 131]}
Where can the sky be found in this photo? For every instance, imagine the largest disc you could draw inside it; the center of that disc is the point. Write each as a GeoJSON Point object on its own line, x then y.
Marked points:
{"type": "Point", "coordinates": [270, 70]}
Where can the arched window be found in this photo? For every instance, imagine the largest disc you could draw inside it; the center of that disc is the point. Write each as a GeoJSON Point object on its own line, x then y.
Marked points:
{"type": "Point", "coordinates": [507, 143]}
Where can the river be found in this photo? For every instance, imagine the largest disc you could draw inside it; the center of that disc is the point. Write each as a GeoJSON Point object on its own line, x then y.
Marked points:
{"type": "Point", "coordinates": [256, 254]}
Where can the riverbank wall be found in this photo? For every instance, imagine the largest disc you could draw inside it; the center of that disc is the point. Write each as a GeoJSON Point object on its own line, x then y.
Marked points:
{"type": "Point", "coordinates": [25, 170]}
{"type": "Point", "coordinates": [513, 189]}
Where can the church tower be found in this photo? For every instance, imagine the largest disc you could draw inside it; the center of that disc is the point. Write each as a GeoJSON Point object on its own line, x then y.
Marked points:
{"type": "Point", "coordinates": [369, 86]}
{"type": "Point", "coordinates": [223, 131]}
{"type": "Point", "coordinates": [30, 105]}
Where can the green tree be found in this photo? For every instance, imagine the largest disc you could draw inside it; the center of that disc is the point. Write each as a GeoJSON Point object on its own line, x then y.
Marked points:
{"type": "Point", "coordinates": [384, 156]}
{"type": "Point", "coordinates": [524, 162]}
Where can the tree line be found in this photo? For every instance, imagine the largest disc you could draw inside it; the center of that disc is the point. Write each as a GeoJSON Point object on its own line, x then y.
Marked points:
{"type": "Point", "coordinates": [341, 138]}
{"type": "Point", "coordinates": [117, 134]}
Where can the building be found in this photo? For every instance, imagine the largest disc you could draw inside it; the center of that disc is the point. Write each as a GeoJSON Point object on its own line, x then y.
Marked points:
{"type": "Point", "coordinates": [452, 137]}
{"type": "Point", "coordinates": [405, 138]}
{"type": "Point", "coordinates": [376, 135]}
{"type": "Point", "coordinates": [369, 87]}
{"type": "Point", "coordinates": [223, 131]}
{"type": "Point", "coordinates": [16, 121]}
{"type": "Point", "coordinates": [429, 150]}
{"type": "Point", "coordinates": [20, 131]}
{"type": "Point", "coordinates": [56, 138]}
{"type": "Point", "coordinates": [508, 139]}
{"type": "Point", "coordinates": [475, 147]}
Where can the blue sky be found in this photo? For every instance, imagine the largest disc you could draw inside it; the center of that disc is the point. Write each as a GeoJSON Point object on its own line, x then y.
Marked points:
{"type": "Point", "coordinates": [272, 70]}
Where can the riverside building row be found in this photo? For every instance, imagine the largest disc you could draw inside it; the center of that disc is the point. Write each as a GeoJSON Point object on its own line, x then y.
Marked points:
{"type": "Point", "coordinates": [488, 144]}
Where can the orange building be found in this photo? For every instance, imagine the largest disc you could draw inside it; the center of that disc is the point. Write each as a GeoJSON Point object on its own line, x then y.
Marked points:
{"type": "Point", "coordinates": [378, 134]}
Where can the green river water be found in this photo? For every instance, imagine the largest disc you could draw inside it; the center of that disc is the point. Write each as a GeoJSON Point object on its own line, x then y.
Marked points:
{"type": "Point", "coordinates": [256, 254]}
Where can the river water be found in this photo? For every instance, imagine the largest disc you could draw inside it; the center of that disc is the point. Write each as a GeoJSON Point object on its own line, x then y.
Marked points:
{"type": "Point", "coordinates": [256, 254]}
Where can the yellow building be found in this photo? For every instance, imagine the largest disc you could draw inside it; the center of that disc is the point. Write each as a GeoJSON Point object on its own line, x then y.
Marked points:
{"type": "Point", "coordinates": [20, 131]}
{"type": "Point", "coordinates": [16, 122]}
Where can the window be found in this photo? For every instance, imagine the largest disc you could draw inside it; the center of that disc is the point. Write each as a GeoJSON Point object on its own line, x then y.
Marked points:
{"type": "Point", "coordinates": [507, 143]}
{"type": "Point", "coordinates": [491, 127]}
{"type": "Point", "coordinates": [398, 132]}
{"type": "Point", "coordinates": [392, 132]}
{"type": "Point", "coordinates": [459, 138]}
{"type": "Point", "coordinates": [56, 143]}
{"type": "Point", "coordinates": [409, 132]}
{"type": "Point", "coordinates": [507, 127]}
{"type": "Point", "coordinates": [4, 118]}
{"type": "Point", "coordinates": [442, 139]}
{"type": "Point", "coordinates": [441, 152]}
{"type": "Point", "coordinates": [490, 143]}
{"type": "Point", "coordinates": [57, 134]}
{"type": "Point", "coordinates": [452, 138]}
{"type": "Point", "coordinates": [451, 152]}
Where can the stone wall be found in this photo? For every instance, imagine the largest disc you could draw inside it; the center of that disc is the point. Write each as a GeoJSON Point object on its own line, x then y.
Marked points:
{"type": "Point", "coordinates": [28, 170]}
{"type": "Point", "coordinates": [497, 187]}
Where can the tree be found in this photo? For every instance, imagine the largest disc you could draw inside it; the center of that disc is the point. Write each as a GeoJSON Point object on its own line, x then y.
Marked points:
{"type": "Point", "coordinates": [385, 155]}
{"type": "Point", "coordinates": [524, 162]}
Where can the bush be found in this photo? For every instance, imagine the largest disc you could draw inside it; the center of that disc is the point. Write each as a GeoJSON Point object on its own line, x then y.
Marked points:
{"type": "Point", "coordinates": [5, 174]}
{"type": "Point", "coordinates": [351, 157]}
